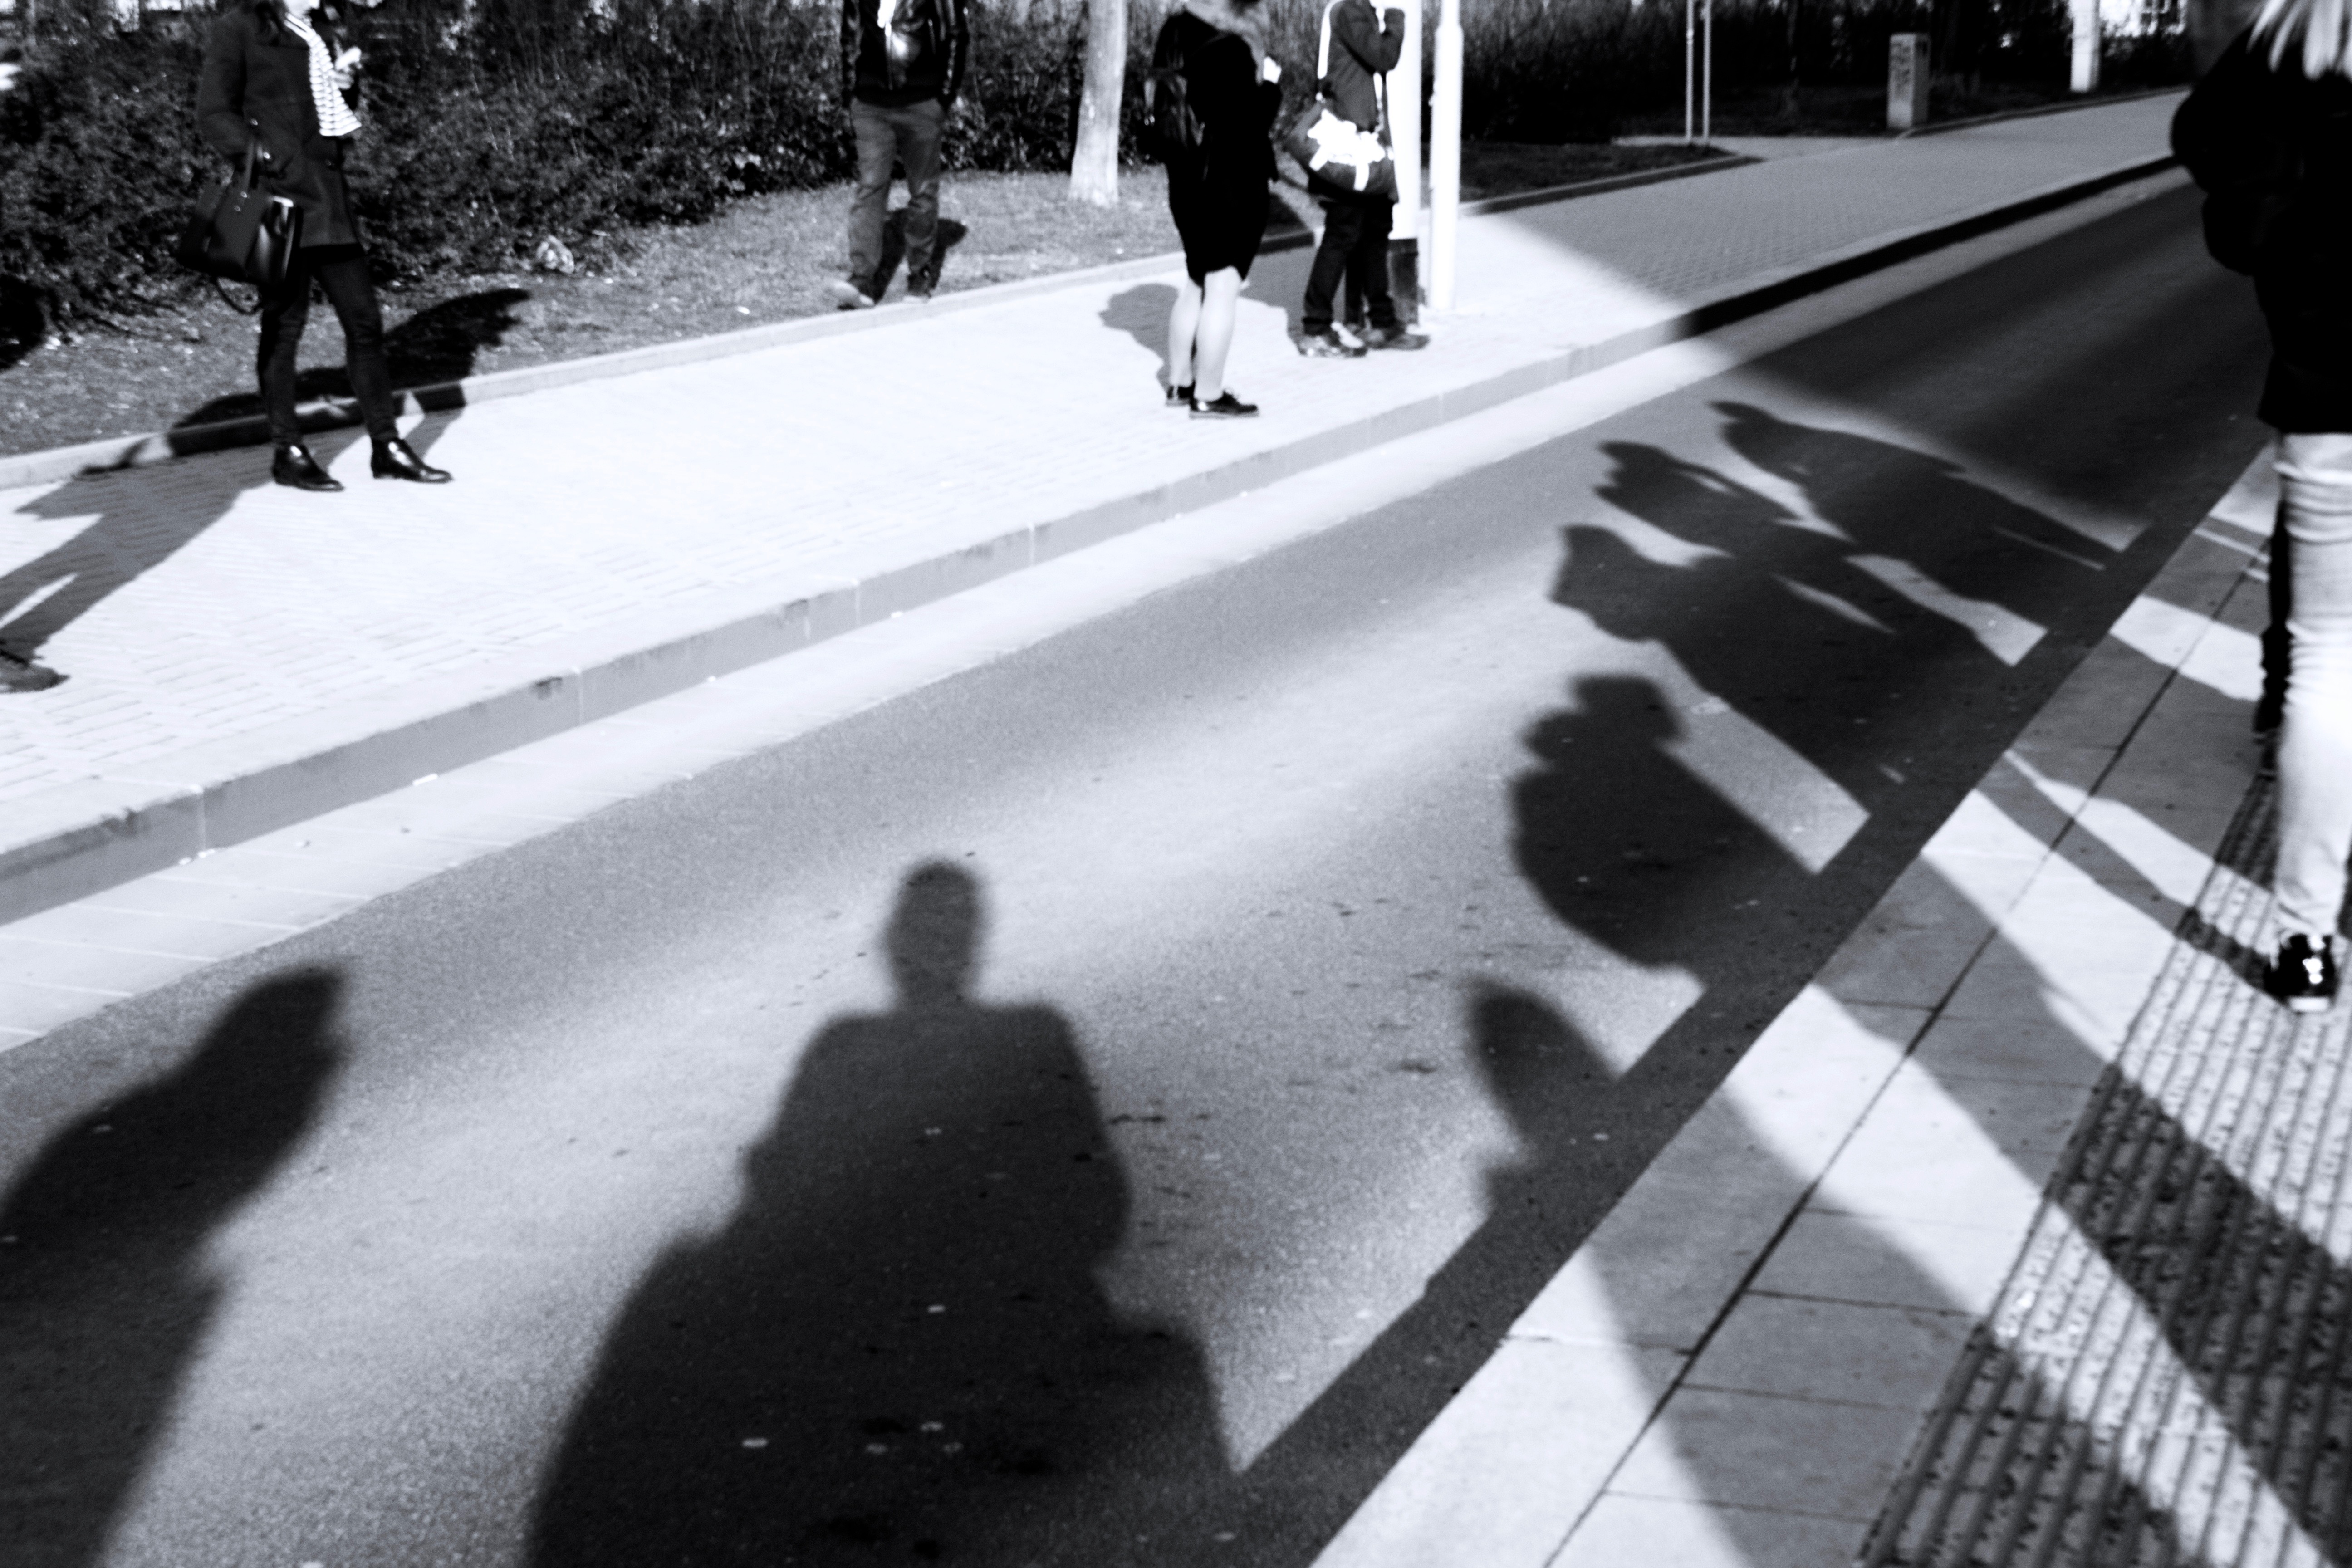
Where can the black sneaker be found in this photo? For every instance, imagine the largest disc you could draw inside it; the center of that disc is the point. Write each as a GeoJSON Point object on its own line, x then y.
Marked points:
{"type": "Point", "coordinates": [922, 285]}
{"type": "Point", "coordinates": [1181, 397]}
{"type": "Point", "coordinates": [1225, 406]}
{"type": "Point", "coordinates": [23, 675]}
{"type": "Point", "coordinates": [2302, 977]}
{"type": "Point", "coordinates": [1328, 344]}
{"type": "Point", "coordinates": [1394, 337]}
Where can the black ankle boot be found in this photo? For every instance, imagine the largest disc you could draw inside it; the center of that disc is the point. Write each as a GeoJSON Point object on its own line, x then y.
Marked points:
{"type": "Point", "coordinates": [396, 459]}
{"type": "Point", "coordinates": [294, 466]}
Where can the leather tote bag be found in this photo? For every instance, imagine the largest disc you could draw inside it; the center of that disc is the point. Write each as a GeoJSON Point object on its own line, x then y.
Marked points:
{"type": "Point", "coordinates": [242, 233]}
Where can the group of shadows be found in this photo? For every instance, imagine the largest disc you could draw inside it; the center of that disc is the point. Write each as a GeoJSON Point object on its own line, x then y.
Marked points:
{"type": "Point", "coordinates": [785, 1389]}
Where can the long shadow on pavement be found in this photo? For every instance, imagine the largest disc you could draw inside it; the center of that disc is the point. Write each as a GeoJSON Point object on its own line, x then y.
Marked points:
{"type": "Point", "coordinates": [896, 1349]}
{"type": "Point", "coordinates": [105, 1293]}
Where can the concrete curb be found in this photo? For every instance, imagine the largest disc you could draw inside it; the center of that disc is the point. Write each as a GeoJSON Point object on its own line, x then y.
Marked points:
{"type": "Point", "coordinates": [61, 463]}
{"type": "Point", "coordinates": [2036, 112]}
{"type": "Point", "coordinates": [72, 841]}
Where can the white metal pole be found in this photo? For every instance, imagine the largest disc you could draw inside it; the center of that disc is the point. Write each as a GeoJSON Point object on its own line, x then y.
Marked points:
{"type": "Point", "coordinates": [1707, 91]}
{"type": "Point", "coordinates": [1690, 83]}
{"type": "Point", "coordinates": [1404, 117]}
{"type": "Point", "coordinates": [1445, 156]}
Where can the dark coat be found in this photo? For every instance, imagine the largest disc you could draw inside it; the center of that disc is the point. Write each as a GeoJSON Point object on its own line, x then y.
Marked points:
{"type": "Point", "coordinates": [1235, 107]}
{"type": "Point", "coordinates": [1364, 43]}
{"type": "Point", "coordinates": [257, 93]}
{"type": "Point", "coordinates": [2273, 150]}
{"type": "Point", "coordinates": [934, 37]}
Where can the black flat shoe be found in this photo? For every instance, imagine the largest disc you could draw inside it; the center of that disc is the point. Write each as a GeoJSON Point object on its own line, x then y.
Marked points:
{"type": "Point", "coordinates": [1180, 397]}
{"type": "Point", "coordinates": [1225, 406]}
{"type": "Point", "coordinates": [294, 466]}
{"type": "Point", "coordinates": [396, 459]}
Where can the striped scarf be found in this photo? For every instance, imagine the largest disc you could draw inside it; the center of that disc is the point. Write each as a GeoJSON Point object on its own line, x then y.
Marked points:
{"type": "Point", "coordinates": [335, 116]}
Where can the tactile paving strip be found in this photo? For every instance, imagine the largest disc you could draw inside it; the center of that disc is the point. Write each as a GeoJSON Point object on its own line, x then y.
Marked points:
{"type": "Point", "coordinates": [2163, 1379]}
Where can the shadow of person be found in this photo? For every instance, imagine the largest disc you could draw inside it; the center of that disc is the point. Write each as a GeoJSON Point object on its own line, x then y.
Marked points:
{"type": "Point", "coordinates": [896, 1346]}
{"type": "Point", "coordinates": [104, 1292]}
{"type": "Point", "coordinates": [143, 518]}
{"type": "Point", "coordinates": [440, 344]}
{"type": "Point", "coordinates": [949, 234]}
{"type": "Point", "coordinates": [1920, 509]}
{"type": "Point", "coordinates": [1142, 312]}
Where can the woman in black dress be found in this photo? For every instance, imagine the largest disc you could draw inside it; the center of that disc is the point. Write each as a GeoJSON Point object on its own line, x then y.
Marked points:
{"type": "Point", "coordinates": [274, 82]}
{"type": "Point", "coordinates": [1217, 194]}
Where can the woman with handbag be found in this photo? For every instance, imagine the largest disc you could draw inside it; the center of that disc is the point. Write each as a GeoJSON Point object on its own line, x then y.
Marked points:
{"type": "Point", "coordinates": [2268, 135]}
{"type": "Point", "coordinates": [274, 84]}
{"type": "Point", "coordinates": [1217, 188]}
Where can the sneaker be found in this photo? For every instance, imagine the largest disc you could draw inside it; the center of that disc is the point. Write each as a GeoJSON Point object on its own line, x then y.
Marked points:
{"type": "Point", "coordinates": [922, 285]}
{"type": "Point", "coordinates": [23, 675]}
{"type": "Point", "coordinates": [848, 296]}
{"type": "Point", "coordinates": [1225, 406]}
{"type": "Point", "coordinates": [1394, 338]}
{"type": "Point", "coordinates": [2302, 977]}
{"type": "Point", "coordinates": [1181, 397]}
{"type": "Point", "coordinates": [1328, 344]}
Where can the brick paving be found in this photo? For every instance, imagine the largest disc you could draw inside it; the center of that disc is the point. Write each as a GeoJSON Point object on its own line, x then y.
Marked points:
{"type": "Point", "coordinates": [194, 603]}
{"type": "Point", "coordinates": [2164, 1376]}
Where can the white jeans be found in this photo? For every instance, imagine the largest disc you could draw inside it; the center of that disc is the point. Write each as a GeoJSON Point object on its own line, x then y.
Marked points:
{"type": "Point", "coordinates": [2316, 745]}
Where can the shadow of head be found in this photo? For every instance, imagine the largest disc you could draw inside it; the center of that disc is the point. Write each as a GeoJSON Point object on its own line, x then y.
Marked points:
{"type": "Point", "coordinates": [934, 935]}
{"type": "Point", "coordinates": [443, 341]}
{"type": "Point", "coordinates": [1142, 312]}
{"type": "Point", "coordinates": [175, 1154]}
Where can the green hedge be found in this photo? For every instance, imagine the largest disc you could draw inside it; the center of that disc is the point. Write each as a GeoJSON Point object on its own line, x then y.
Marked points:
{"type": "Point", "coordinates": [490, 127]}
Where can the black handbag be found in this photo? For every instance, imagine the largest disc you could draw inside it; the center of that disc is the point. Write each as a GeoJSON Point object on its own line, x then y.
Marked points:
{"type": "Point", "coordinates": [243, 234]}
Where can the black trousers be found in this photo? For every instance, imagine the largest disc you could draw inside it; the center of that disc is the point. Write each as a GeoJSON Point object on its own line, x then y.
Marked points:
{"type": "Point", "coordinates": [342, 272]}
{"type": "Point", "coordinates": [1355, 247]}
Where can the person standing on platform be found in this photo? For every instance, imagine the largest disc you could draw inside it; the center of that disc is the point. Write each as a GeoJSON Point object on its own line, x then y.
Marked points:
{"type": "Point", "coordinates": [2268, 135]}
{"type": "Point", "coordinates": [901, 67]}
{"type": "Point", "coordinates": [1213, 98]}
{"type": "Point", "coordinates": [1359, 46]}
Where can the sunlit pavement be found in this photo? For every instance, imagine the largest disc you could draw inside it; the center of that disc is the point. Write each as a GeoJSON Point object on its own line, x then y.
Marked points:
{"type": "Point", "coordinates": [490, 1178]}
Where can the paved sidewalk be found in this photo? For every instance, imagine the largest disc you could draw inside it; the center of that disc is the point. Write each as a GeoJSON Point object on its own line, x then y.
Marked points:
{"type": "Point", "coordinates": [242, 657]}
{"type": "Point", "coordinates": [2020, 1238]}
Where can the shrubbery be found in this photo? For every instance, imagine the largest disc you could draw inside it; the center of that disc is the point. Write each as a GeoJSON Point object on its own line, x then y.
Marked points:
{"type": "Point", "coordinates": [492, 123]}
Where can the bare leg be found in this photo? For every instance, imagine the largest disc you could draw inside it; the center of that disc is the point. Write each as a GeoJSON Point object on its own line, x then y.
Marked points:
{"type": "Point", "coordinates": [1220, 299]}
{"type": "Point", "coordinates": [1183, 327]}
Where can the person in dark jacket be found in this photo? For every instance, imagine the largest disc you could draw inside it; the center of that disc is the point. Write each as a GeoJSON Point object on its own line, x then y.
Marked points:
{"type": "Point", "coordinates": [1217, 191]}
{"type": "Point", "coordinates": [901, 67]}
{"type": "Point", "coordinates": [276, 81]}
{"type": "Point", "coordinates": [1359, 46]}
{"type": "Point", "coordinates": [2268, 135]}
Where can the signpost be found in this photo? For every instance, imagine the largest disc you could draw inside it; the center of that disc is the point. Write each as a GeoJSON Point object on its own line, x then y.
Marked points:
{"type": "Point", "coordinates": [1404, 134]}
{"type": "Point", "coordinates": [1445, 156]}
{"type": "Point", "coordinates": [1698, 73]}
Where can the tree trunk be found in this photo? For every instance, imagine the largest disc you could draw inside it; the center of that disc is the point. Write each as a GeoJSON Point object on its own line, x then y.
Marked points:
{"type": "Point", "coordinates": [1094, 162]}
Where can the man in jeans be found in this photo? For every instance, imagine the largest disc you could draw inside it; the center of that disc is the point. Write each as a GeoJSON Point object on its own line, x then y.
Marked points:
{"type": "Point", "coordinates": [901, 63]}
{"type": "Point", "coordinates": [1363, 44]}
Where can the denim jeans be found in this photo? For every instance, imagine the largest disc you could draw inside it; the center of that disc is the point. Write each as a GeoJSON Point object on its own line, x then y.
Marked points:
{"type": "Point", "coordinates": [342, 272]}
{"type": "Point", "coordinates": [1356, 247]}
{"type": "Point", "coordinates": [2316, 742]}
{"type": "Point", "coordinates": [909, 135]}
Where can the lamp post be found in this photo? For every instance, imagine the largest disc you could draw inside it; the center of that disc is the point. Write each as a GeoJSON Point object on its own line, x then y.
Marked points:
{"type": "Point", "coordinates": [1404, 133]}
{"type": "Point", "coordinates": [1445, 156]}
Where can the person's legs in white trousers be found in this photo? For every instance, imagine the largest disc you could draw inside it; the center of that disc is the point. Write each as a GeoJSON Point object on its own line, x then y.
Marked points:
{"type": "Point", "coordinates": [2316, 743]}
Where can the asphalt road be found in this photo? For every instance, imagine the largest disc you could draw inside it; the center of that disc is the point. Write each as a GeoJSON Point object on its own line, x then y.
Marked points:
{"type": "Point", "coordinates": [1097, 1108]}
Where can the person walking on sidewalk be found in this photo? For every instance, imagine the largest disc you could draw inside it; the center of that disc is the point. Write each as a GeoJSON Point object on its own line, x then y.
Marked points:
{"type": "Point", "coordinates": [275, 79]}
{"type": "Point", "coordinates": [1359, 46]}
{"type": "Point", "coordinates": [901, 67]}
{"type": "Point", "coordinates": [1213, 52]}
{"type": "Point", "coordinates": [2268, 135]}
